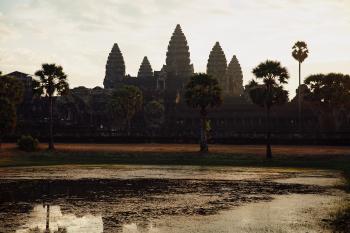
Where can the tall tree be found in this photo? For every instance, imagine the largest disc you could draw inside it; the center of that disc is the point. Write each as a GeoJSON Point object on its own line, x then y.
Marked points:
{"type": "Point", "coordinates": [270, 92]}
{"type": "Point", "coordinates": [11, 89]}
{"type": "Point", "coordinates": [202, 92]}
{"type": "Point", "coordinates": [7, 117]}
{"type": "Point", "coordinates": [300, 53]}
{"type": "Point", "coordinates": [11, 94]}
{"type": "Point", "coordinates": [126, 101]}
{"type": "Point", "coordinates": [52, 81]}
{"type": "Point", "coordinates": [330, 93]}
{"type": "Point", "coordinates": [154, 115]}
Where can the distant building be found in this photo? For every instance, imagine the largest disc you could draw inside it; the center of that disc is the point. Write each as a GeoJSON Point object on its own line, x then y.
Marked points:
{"type": "Point", "coordinates": [26, 79]}
{"type": "Point", "coordinates": [115, 68]}
{"type": "Point", "coordinates": [217, 65]}
{"type": "Point", "coordinates": [173, 76]}
{"type": "Point", "coordinates": [178, 66]}
{"type": "Point", "coordinates": [234, 78]}
{"type": "Point", "coordinates": [84, 112]}
{"type": "Point", "coordinates": [145, 70]}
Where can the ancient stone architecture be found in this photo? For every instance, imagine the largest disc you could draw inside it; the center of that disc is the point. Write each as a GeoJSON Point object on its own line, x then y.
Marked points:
{"type": "Point", "coordinates": [83, 114]}
{"type": "Point", "coordinates": [234, 78]}
{"type": "Point", "coordinates": [115, 68]}
{"type": "Point", "coordinates": [178, 62]}
{"type": "Point", "coordinates": [217, 64]}
{"type": "Point", "coordinates": [145, 70]}
{"type": "Point", "coordinates": [26, 79]}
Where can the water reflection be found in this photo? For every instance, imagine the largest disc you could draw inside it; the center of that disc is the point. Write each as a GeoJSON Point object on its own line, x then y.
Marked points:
{"type": "Point", "coordinates": [50, 219]}
{"type": "Point", "coordinates": [140, 228]}
{"type": "Point", "coordinates": [132, 205]}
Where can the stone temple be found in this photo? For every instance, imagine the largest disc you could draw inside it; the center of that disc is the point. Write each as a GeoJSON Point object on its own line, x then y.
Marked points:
{"type": "Point", "coordinates": [177, 69]}
{"type": "Point", "coordinates": [230, 77]}
{"type": "Point", "coordinates": [83, 114]}
{"type": "Point", "coordinates": [234, 78]}
{"type": "Point", "coordinates": [174, 75]}
{"type": "Point", "coordinates": [217, 65]}
{"type": "Point", "coordinates": [178, 62]}
{"type": "Point", "coordinates": [145, 70]}
{"type": "Point", "coordinates": [115, 68]}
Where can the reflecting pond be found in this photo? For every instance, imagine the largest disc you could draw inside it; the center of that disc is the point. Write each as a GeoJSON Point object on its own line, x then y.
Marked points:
{"type": "Point", "coordinates": [167, 199]}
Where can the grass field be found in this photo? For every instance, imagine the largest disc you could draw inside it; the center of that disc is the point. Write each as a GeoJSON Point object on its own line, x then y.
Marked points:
{"type": "Point", "coordinates": [192, 148]}
{"type": "Point", "coordinates": [331, 157]}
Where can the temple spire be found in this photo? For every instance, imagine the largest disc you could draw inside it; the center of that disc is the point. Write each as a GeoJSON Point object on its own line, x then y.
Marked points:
{"type": "Point", "coordinates": [178, 63]}
{"type": "Point", "coordinates": [145, 70]}
{"type": "Point", "coordinates": [234, 78]}
{"type": "Point", "coordinates": [115, 68]}
{"type": "Point", "coordinates": [217, 64]}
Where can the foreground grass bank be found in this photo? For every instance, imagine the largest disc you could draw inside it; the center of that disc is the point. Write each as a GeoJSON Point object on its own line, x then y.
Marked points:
{"type": "Point", "coordinates": [336, 158]}
{"type": "Point", "coordinates": [176, 154]}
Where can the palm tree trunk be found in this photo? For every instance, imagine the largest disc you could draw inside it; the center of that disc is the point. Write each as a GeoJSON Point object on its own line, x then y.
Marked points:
{"type": "Point", "coordinates": [268, 135]}
{"type": "Point", "coordinates": [47, 219]}
{"type": "Point", "coordinates": [299, 100]}
{"type": "Point", "coordinates": [51, 146]}
{"type": "Point", "coordinates": [129, 127]}
{"type": "Point", "coordinates": [204, 138]}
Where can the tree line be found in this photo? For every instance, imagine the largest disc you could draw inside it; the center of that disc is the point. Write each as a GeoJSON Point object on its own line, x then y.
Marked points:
{"type": "Point", "coordinates": [329, 92]}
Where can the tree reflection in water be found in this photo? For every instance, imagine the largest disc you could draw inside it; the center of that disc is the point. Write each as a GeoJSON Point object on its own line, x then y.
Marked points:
{"type": "Point", "coordinates": [50, 219]}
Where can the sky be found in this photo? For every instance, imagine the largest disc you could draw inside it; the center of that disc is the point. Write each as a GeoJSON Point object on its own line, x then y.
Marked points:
{"type": "Point", "coordinates": [79, 34]}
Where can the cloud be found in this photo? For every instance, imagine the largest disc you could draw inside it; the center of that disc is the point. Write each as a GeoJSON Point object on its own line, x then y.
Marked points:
{"type": "Point", "coordinates": [6, 30]}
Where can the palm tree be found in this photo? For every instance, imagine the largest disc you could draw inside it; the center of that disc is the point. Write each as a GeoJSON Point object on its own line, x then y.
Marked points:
{"type": "Point", "coordinates": [8, 117]}
{"type": "Point", "coordinates": [125, 102]}
{"type": "Point", "coordinates": [203, 91]}
{"type": "Point", "coordinates": [52, 81]}
{"type": "Point", "coordinates": [270, 92]}
{"type": "Point", "coordinates": [330, 96]}
{"type": "Point", "coordinates": [153, 116]}
{"type": "Point", "coordinates": [300, 53]}
{"type": "Point", "coordinates": [11, 94]}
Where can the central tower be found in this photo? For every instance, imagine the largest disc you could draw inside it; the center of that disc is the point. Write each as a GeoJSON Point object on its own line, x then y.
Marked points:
{"type": "Point", "coordinates": [178, 63]}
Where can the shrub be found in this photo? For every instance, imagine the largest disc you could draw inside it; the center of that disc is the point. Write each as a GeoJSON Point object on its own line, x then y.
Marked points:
{"type": "Point", "coordinates": [27, 143]}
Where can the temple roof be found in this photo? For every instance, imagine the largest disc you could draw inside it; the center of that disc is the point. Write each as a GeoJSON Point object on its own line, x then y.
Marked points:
{"type": "Point", "coordinates": [145, 70]}
{"type": "Point", "coordinates": [217, 63]}
{"type": "Point", "coordinates": [178, 55]}
{"type": "Point", "coordinates": [115, 67]}
{"type": "Point", "coordinates": [18, 74]}
{"type": "Point", "coordinates": [234, 77]}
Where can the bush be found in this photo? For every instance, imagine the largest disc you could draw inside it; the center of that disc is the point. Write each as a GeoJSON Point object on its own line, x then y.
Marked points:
{"type": "Point", "coordinates": [27, 143]}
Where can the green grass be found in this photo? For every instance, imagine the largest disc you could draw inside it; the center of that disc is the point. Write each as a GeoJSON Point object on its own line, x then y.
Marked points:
{"type": "Point", "coordinates": [46, 158]}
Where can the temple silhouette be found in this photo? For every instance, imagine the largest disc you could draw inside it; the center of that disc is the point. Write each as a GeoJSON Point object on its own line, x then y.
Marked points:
{"type": "Point", "coordinates": [83, 112]}
{"type": "Point", "coordinates": [178, 69]}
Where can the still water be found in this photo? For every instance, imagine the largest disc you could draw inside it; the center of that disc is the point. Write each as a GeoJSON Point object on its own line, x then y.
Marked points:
{"type": "Point", "coordinates": [167, 199]}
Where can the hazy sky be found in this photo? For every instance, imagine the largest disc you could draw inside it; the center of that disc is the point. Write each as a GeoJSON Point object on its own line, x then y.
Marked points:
{"type": "Point", "coordinates": [79, 34]}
